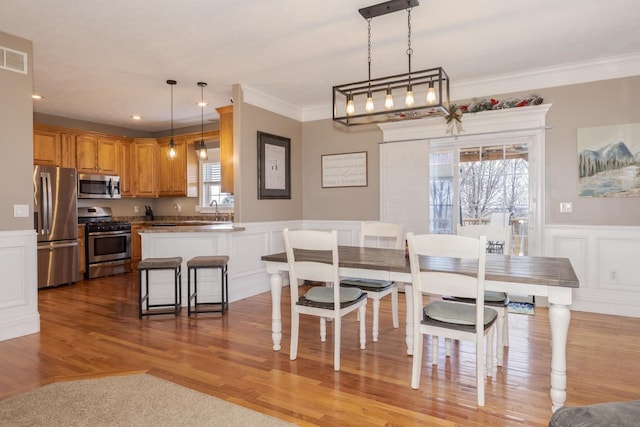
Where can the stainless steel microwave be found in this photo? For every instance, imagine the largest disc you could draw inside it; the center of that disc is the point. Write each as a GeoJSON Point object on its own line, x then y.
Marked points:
{"type": "Point", "coordinates": [93, 186]}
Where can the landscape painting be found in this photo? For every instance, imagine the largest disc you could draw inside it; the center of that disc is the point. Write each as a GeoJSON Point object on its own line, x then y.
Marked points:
{"type": "Point", "coordinates": [609, 161]}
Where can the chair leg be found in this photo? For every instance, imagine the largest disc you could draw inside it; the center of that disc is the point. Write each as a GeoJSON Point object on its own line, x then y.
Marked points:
{"type": "Point", "coordinates": [480, 370]}
{"type": "Point", "coordinates": [363, 326]}
{"type": "Point", "coordinates": [394, 306]}
{"type": "Point", "coordinates": [323, 329]}
{"type": "Point", "coordinates": [447, 347]}
{"type": "Point", "coordinates": [505, 338]}
{"type": "Point", "coordinates": [417, 360]}
{"type": "Point", "coordinates": [376, 317]}
{"type": "Point", "coordinates": [337, 329]}
{"type": "Point", "coordinates": [490, 351]}
{"type": "Point", "coordinates": [295, 329]}
{"type": "Point", "coordinates": [500, 337]}
{"type": "Point", "coordinates": [434, 350]}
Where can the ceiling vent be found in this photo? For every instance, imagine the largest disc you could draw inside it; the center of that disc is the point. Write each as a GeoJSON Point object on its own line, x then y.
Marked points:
{"type": "Point", "coordinates": [13, 60]}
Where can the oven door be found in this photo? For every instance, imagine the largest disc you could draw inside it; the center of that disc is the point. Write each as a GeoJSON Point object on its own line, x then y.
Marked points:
{"type": "Point", "coordinates": [108, 246]}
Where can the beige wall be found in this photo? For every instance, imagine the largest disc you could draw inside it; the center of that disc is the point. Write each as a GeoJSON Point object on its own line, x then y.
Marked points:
{"type": "Point", "coordinates": [248, 120]}
{"type": "Point", "coordinates": [16, 138]}
{"type": "Point", "coordinates": [585, 105]}
{"type": "Point", "coordinates": [344, 203]}
{"type": "Point", "coordinates": [604, 103]}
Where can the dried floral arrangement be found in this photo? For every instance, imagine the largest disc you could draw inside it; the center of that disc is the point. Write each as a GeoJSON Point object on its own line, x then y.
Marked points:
{"type": "Point", "coordinates": [454, 118]}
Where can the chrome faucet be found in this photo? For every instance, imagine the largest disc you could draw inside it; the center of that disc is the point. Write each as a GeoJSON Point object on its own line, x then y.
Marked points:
{"type": "Point", "coordinates": [211, 204]}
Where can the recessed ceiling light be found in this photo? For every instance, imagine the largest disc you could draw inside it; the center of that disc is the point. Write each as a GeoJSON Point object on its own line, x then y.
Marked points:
{"type": "Point", "coordinates": [36, 96]}
{"type": "Point", "coordinates": [136, 117]}
{"type": "Point", "coordinates": [202, 103]}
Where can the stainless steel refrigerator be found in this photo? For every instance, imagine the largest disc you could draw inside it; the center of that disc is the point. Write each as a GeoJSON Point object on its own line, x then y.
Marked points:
{"type": "Point", "coordinates": [55, 215]}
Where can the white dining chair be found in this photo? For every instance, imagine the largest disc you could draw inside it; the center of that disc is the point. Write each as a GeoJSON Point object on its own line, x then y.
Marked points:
{"type": "Point", "coordinates": [331, 302]}
{"type": "Point", "coordinates": [469, 322]}
{"type": "Point", "coordinates": [378, 234]}
{"type": "Point", "coordinates": [497, 237]}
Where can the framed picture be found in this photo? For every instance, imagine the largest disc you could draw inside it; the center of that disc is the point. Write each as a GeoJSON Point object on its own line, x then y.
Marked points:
{"type": "Point", "coordinates": [344, 170]}
{"type": "Point", "coordinates": [608, 161]}
{"type": "Point", "coordinates": [274, 166]}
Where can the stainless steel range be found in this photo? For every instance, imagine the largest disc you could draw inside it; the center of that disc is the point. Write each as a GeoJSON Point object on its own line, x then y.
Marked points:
{"type": "Point", "coordinates": [107, 242]}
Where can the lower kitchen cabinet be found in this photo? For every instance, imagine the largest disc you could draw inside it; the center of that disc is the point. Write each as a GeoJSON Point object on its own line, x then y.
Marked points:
{"type": "Point", "coordinates": [136, 246]}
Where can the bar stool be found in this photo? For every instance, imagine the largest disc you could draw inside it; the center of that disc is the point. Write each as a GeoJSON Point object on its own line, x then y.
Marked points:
{"type": "Point", "coordinates": [214, 262]}
{"type": "Point", "coordinates": [174, 264]}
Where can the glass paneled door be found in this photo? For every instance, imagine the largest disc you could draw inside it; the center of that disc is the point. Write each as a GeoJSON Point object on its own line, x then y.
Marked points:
{"type": "Point", "coordinates": [482, 184]}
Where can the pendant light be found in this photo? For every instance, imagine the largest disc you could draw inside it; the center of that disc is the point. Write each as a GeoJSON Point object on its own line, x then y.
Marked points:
{"type": "Point", "coordinates": [371, 101]}
{"type": "Point", "coordinates": [202, 149]}
{"type": "Point", "coordinates": [171, 154]}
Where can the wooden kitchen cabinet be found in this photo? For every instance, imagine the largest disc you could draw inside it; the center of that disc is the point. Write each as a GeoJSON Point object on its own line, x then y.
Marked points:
{"type": "Point", "coordinates": [226, 148]}
{"type": "Point", "coordinates": [178, 176]}
{"type": "Point", "coordinates": [125, 168]}
{"type": "Point", "coordinates": [46, 148]}
{"type": "Point", "coordinates": [136, 246]}
{"type": "Point", "coordinates": [145, 167]}
{"type": "Point", "coordinates": [81, 250]}
{"type": "Point", "coordinates": [68, 150]}
{"type": "Point", "coordinates": [97, 154]}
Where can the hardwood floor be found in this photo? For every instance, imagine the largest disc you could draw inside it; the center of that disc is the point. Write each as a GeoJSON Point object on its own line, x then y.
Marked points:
{"type": "Point", "coordinates": [91, 329]}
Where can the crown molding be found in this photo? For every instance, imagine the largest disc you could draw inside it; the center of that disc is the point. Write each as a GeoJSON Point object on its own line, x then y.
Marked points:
{"type": "Point", "coordinates": [535, 79]}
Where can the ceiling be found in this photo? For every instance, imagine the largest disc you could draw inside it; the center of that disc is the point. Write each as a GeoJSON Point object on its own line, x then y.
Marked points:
{"type": "Point", "coordinates": [103, 61]}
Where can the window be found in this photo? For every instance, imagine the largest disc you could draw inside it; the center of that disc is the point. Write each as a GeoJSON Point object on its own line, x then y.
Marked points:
{"type": "Point", "coordinates": [210, 182]}
{"type": "Point", "coordinates": [491, 184]}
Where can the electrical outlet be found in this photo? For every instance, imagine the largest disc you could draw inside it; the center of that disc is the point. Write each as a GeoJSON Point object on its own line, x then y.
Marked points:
{"type": "Point", "coordinates": [613, 275]}
{"type": "Point", "coordinates": [136, 209]}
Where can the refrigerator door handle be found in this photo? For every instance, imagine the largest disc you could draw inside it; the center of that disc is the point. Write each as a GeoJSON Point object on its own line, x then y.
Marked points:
{"type": "Point", "coordinates": [47, 203]}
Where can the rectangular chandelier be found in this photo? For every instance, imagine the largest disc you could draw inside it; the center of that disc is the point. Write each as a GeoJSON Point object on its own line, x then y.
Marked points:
{"type": "Point", "coordinates": [430, 91]}
{"type": "Point", "coordinates": [408, 96]}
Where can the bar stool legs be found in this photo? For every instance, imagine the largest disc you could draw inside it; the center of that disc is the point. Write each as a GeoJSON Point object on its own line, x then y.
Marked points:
{"type": "Point", "coordinates": [213, 262]}
{"type": "Point", "coordinates": [145, 308]}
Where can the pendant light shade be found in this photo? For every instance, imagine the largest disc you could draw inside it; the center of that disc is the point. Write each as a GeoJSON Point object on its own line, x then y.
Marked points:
{"type": "Point", "coordinates": [171, 153]}
{"type": "Point", "coordinates": [202, 148]}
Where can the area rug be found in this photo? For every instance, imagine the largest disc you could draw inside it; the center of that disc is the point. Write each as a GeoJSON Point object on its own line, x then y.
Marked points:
{"type": "Point", "coordinates": [130, 400]}
{"type": "Point", "coordinates": [521, 307]}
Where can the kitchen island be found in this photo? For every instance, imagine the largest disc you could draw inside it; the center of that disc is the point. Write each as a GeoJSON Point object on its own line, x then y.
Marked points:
{"type": "Point", "coordinates": [188, 241]}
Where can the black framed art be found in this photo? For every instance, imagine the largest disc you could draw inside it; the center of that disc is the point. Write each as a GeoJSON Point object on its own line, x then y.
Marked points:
{"type": "Point", "coordinates": [274, 166]}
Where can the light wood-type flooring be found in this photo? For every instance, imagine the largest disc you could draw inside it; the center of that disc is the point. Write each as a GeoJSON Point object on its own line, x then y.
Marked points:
{"type": "Point", "coordinates": [91, 329]}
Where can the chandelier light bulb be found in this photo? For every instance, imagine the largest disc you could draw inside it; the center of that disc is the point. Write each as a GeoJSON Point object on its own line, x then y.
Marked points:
{"type": "Point", "coordinates": [409, 101]}
{"type": "Point", "coordinates": [171, 154]}
{"type": "Point", "coordinates": [431, 94]}
{"type": "Point", "coordinates": [369, 107]}
{"type": "Point", "coordinates": [351, 108]}
{"type": "Point", "coordinates": [388, 100]}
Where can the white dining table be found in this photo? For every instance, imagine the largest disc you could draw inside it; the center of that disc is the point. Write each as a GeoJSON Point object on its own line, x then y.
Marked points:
{"type": "Point", "coordinates": [550, 277]}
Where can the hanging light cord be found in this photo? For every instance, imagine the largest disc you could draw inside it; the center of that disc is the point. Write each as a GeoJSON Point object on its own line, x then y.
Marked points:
{"type": "Point", "coordinates": [369, 48]}
{"type": "Point", "coordinates": [172, 113]}
{"type": "Point", "coordinates": [409, 50]}
{"type": "Point", "coordinates": [202, 114]}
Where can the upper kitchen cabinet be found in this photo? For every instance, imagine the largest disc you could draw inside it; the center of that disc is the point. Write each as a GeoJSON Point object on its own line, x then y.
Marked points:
{"type": "Point", "coordinates": [54, 147]}
{"type": "Point", "coordinates": [125, 168]}
{"type": "Point", "coordinates": [97, 154]}
{"type": "Point", "coordinates": [226, 148]}
{"type": "Point", "coordinates": [145, 167]}
{"type": "Point", "coordinates": [177, 176]}
{"type": "Point", "coordinates": [46, 148]}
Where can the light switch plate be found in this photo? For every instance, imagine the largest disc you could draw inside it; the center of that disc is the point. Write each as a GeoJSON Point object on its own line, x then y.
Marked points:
{"type": "Point", "coordinates": [566, 207]}
{"type": "Point", "coordinates": [20, 211]}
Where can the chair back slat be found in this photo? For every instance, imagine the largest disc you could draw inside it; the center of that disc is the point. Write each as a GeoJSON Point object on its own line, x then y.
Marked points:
{"type": "Point", "coordinates": [381, 234]}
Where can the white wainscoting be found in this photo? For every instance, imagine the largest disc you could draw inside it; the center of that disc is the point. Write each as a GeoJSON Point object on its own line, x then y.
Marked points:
{"type": "Point", "coordinates": [607, 262]}
{"type": "Point", "coordinates": [19, 285]}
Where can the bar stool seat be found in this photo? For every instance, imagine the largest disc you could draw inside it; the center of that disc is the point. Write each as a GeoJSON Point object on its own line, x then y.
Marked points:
{"type": "Point", "coordinates": [175, 265]}
{"type": "Point", "coordinates": [201, 262]}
